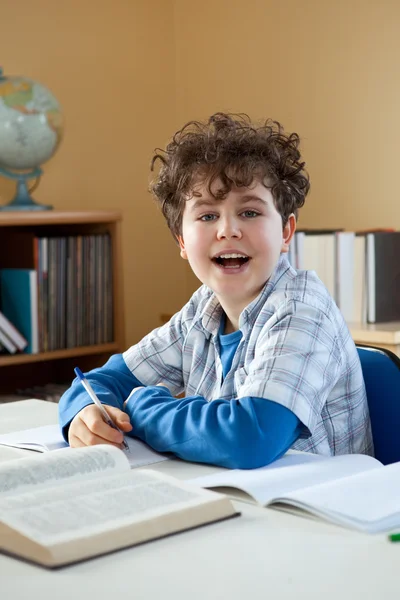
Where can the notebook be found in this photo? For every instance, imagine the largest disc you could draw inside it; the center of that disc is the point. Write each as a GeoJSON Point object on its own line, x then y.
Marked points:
{"type": "Point", "coordinates": [351, 490]}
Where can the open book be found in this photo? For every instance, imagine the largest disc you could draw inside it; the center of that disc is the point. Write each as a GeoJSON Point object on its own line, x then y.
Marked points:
{"type": "Point", "coordinates": [352, 490]}
{"type": "Point", "coordinates": [66, 506]}
{"type": "Point", "coordinates": [48, 438]}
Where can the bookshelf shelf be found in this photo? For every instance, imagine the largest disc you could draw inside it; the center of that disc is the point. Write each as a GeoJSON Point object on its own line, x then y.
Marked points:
{"type": "Point", "coordinates": [17, 230]}
{"type": "Point", "coordinates": [27, 219]}
{"type": "Point", "coordinates": [19, 359]}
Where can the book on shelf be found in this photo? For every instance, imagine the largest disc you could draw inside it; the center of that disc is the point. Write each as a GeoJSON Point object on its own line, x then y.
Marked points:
{"type": "Point", "coordinates": [360, 282]}
{"type": "Point", "coordinates": [74, 285]}
{"type": "Point", "coordinates": [7, 344]}
{"type": "Point", "coordinates": [317, 250]}
{"type": "Point", "coordinates": [359, 269]}
{"type": "Point", "coordinates": [70, 505]}
{"type": "Point", "coordinates": [352, 490]}
{"type": "Point", "coordinates": [12, 333]}
{"type": "Point", "coordinates": [344, 273]}
{"type": "Point", "coordinates": [383, 276]}
{"type": "Point", "coordinates": [319, 256]}
{"type": "Point", "coordinates": [19, 298]}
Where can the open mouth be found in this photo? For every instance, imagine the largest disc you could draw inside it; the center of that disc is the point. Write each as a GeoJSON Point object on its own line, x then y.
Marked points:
{"type": "Point", "coordinates": [231, 261]}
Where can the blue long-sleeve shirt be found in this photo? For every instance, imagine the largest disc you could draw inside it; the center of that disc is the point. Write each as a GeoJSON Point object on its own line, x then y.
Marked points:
{"type": "Point", "coordinates": [244, 433]}
{"type": "Point", "coordinates": [295, 379]}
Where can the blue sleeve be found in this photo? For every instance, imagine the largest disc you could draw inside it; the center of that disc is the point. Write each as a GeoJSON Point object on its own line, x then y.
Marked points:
{"type": "Point", "coordinates": [238, 434]}
{"type": "Point", "coordinates": [112, 383]}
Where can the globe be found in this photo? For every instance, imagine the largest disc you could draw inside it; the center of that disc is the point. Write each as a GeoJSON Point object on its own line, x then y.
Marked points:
{"type": "Point", "coordinates": [31, 129]}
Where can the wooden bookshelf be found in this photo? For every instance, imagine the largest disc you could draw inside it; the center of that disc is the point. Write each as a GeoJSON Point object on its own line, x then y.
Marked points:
{"type": "Point", "coordinates": [20, 371]}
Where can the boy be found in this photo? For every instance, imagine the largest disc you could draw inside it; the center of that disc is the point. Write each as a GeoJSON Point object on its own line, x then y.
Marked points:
{"type": "Point", "coordinates": [261, 351]}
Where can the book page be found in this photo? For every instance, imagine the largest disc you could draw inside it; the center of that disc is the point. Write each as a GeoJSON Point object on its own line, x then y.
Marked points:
{"type": "Point", "coordinates": [49, 438]}
{"type": "Point", "coordinates": [54, 469]}
{"type": "Point", "coordinates": [40, 439]}
{"type": "Point", "coordinates": [289, 473]}
{"type": "Point", "coordinates": [368, 501]}
{"type": "Point", "coordinates": [82, 509]}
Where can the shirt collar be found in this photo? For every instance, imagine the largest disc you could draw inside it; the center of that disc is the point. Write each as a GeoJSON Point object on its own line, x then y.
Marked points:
{"type": "Point", "coordinates": [211, 315]}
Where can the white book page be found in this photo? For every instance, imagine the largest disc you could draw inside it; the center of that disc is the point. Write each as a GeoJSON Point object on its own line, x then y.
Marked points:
{"type": "Point", "coordinates": [40, 439]}
{"type": "Point", "coordinates": [81, 509]}
{"type": "Point", "coordinates": [364, 498]}
{"type": "Point", "coordinates": [289, 473]}
{"type": "Point", "coordinates": [57, 468]}
{"type": "Point", "coordinates": [49, 438]}
{"type": "Point", "coordinates": [140, 454]}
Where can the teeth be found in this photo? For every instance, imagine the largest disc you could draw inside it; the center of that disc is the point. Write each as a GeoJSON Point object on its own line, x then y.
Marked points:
{"type": "Point", "coordinates": [232, 256]}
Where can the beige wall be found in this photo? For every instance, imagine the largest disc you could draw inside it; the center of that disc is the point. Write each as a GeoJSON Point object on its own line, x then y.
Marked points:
{"type": "Point", "coordinates": [328, 70]}
{"type": "Point", "coordinates": [128, 72]}
{"type": "Point", "coordinates": [111, 65]}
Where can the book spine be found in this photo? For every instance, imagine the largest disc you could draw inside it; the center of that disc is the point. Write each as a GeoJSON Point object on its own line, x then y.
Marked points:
{"type": "Point", "coordinates": [370, 242]}
{"type": "Point", "coordinates": [44, 293]}
{"type": "Point", "coordinates": [34, 312]}
{"type": "Point", "coordinates": [20, 303]}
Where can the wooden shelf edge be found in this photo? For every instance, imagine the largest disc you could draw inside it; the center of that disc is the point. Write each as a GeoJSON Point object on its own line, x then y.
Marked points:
{"type": "Point", "coordinates": [24, 218]}
{"type": "Point", "coordinates": [19, 359]}
{"type": "Point", "coordinates": [385, 333]}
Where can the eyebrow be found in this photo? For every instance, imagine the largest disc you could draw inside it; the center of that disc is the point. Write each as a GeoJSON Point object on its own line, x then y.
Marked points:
{"type": "Point", "coordinates": [212, 201]}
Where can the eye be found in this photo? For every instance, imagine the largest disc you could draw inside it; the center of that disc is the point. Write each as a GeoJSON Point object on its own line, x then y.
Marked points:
{"type": "Point", "coordinates": [250, 214]}
{"type": "Point", "coordinates": [207, 218]}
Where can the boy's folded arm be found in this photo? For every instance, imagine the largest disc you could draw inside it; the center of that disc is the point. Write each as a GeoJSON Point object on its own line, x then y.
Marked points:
{"type": "Point", "coordinates": [239, 434]}
{"type": "Point", "coordinates": [112, 383]}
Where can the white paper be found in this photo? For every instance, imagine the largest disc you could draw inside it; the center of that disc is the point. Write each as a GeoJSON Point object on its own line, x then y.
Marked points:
{"type": "Point", "coordinates": [291, 472]}
{"type": "Point", "coordinates": [40, 439]}
{"type": "Point", "coordinates": [362, 500]}
{"type": "Point", "coordinates": [49, 438]}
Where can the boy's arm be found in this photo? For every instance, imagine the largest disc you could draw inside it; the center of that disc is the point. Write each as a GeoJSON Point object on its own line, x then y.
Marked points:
{"type": "Point", "coordinates": [285, 389]}
{"type": "Point", "coordinates": [238, 434]}
{"type": "Point", "coordinates": [112, 384]}
{"type": "Point", "coordinates": [158, 356]}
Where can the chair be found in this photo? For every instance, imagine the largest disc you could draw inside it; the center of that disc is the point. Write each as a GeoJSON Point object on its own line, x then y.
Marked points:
{"type": "Point", "coordinates": [381, 370]}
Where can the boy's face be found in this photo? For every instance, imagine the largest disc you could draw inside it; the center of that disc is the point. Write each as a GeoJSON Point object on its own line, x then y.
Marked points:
{"type": "Point", "coordinates": [233, 244]}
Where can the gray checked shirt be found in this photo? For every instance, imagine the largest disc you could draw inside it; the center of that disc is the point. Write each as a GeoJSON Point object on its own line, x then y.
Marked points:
{"type": "Point", "coordinates": [295, 350]}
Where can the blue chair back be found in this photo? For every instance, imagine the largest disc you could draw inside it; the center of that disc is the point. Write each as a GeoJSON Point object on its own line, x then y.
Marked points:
{"type": "Point", "coordinates": [381, 370]}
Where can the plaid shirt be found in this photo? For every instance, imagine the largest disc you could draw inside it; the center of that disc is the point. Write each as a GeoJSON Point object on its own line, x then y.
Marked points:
{"type": "Point", "coordinates": [295, 350]}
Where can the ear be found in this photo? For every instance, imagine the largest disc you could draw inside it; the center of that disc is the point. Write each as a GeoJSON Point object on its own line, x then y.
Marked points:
{"type": "Point", "coordinates": [182, 247]}
{"type": "Point", "coordinates": [288, 233]}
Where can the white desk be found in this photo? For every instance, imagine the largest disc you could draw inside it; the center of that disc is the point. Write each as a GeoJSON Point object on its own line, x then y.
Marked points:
{"type": "Point", "coordinates": [264, 554]}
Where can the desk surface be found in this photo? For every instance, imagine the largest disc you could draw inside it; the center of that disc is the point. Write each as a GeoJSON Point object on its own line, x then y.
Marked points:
{"type": "Point", "coordinates": [263, 554]}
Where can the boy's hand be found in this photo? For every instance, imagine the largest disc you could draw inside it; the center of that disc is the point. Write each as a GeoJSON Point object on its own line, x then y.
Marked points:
{"type": "Point", "coordinates": [88, 428]}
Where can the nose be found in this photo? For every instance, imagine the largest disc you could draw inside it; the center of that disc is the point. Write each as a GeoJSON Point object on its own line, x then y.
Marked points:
{"type": "Point", "coordinates": [228, 228]}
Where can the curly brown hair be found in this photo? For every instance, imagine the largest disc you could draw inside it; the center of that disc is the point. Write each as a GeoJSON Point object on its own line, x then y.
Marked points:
{"type": "Point", "coordinates": [231, 148]}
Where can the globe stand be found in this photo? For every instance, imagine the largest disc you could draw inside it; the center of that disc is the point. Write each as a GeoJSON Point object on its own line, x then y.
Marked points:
{"type": "Point", "coordinates": [22, 199]}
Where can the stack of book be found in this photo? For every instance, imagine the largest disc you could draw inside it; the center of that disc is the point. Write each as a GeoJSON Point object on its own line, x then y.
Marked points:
{"type": "Point", "coordinates": [65, 301]}
{"type": "Point", "coordinates": [361, 270]}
